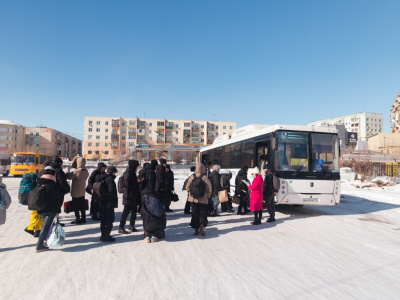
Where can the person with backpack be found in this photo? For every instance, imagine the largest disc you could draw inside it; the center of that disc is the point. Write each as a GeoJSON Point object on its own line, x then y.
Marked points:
{"type": "Point", "coordinates": [78, 177]}
{"type": "Point", "coordinates": [94, 204]}
{"type": "Point", "coordinates": [215, 179]}
{"type": "Point", "coordinates": [242, 190]}
{"type": "Point", "coordinates": [128, 185]}
{"type": "Point", "coordinates": [5, 201]}
{"type": "Point", "coordinates": [105, 191]}
{"type": "Point", "coordinates": [50, 197]}
{"type": "Point", "coordinates": [256, 196]}
{"type": "Point", "coordinates": [161, 181]}
{"type": "Point", "coordinates": [269, 192]}
{"type": "Point", "coordinates": [28, 182]}
{"type": "Point", "coordinates": [199, 190]}
{"type": "Point", "coordinates": [61, 179]}
{"type": "Point", "coordinates": [187, 205]}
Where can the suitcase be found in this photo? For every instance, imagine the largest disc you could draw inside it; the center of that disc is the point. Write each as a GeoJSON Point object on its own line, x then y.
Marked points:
{"type": "Point", "coordinates": [68, 206]}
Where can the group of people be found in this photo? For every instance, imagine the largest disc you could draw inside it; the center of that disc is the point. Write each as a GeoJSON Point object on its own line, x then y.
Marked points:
{"type": "Point", "coordinates": [148, 190]}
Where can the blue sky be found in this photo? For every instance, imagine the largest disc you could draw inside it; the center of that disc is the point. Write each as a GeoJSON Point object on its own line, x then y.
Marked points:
{"type": "Point", "coordinates": [263, 62]}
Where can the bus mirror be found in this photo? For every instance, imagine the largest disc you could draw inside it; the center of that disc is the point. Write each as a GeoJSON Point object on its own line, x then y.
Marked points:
{"type": "Point", "coordinates": [273, 143]}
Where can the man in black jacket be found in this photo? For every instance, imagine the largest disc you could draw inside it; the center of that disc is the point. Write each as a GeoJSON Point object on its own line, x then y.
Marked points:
{"type": "Point", "coordinates": [131, 197]}
{"type": "Point", "coordinates": [160, 187]}
{"type": "Point", "coordinates": [108, 202]}
{"type": "Point", "coordinates": [269, 193]}
{"type": "Point", "coordinates": [215, 179]}
{"type": "Point", "coordinates": [150, 178]}
{"type": "Point", "coordinates": [61, 180]}
{"type": "Point", "coordinates": [94, 205]}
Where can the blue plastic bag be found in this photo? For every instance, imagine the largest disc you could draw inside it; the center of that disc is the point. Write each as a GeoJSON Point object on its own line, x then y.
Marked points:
{"type": "Point", "coordinates": [57, 236]}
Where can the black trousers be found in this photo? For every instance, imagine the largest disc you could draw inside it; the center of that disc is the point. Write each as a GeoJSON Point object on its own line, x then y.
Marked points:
{"type": "Point", "coordinates": [199, 215]}
{"type": "Point", "coordinates": [270, 204]}
{"type": "Point", "coordinates": [107, 219]}
{"type": "Point", "coordinates": [243, 202]}
{"type": "Point", "coordinates": [128, 209]}
{"type": "Point", "coordinates": [187, 206]}
{"type": "Point", "coordinates": [79, 207]}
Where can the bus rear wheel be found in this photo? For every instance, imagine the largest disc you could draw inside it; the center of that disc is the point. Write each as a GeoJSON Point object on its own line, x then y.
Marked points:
{"type": "Point", "coordinates": [6, 173]}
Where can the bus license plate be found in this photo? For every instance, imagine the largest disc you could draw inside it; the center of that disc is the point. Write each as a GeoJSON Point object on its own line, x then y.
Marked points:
{"type": "Point", "coordinates": [310, 199]}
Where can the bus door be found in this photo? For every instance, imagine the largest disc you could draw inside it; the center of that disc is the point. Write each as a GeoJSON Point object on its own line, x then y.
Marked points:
{"type": "Point", "coordinates": [262, 154]}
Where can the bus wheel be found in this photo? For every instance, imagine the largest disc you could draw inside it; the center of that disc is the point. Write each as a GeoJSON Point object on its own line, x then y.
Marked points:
{"type": "Point", "coordinates": [6, 173]}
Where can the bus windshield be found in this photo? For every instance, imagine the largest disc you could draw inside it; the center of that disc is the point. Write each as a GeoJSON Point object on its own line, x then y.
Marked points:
{"type": "Point", "coordinates": [23, 159]}
{"type": "Point", "coordinates": [325, 151]}
{"type": "Point", "coordinates": [292, 154]}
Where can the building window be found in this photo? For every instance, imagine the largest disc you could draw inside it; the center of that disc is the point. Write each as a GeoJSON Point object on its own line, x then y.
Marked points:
{"type": "Point", "coordinates": [186, 124]}
{"type": "Point", "coordinates": [176, 132]}
{"type": "Point", "coordinates": [97, 137]}
{"type": "Point", "coordinates": [123, 145]}
{"type": "Point", "coordinates": [98, 122]}
{"type": "Point", "coordinates": [106, 137]}
{"type": "Point", "coordinates": [89, 152]}
{"type": "Point", "coordinates": [89, 137]}
{"type": "Point", "coordinates": [132, 123]}
{"type": "Point", "coordinates": [202, 126]}
{"type": "Point", "coordinates": [97, 129]}
{"type": "Point", "coordinates": [106, 122]}
{"type": "Point", "coordinates": [202, 133]}
{"type": "Point", "coordinates": [90, 129]}
{"type": "Point", "coordinates": [106, 130]}
{"type": "Point", "coordinates": [160, 124]}
{"type": "Point", "coordinates": [123, 131]}
{"type": "Point", "coordinates": [115, 131]}
{"type": "Point", "coordinates": [216, 127]}
{"type": "Point", "coordinates": [224, 128]}
{"type": "Point", "coordinates": [230, 127]}
{"type": "Point", "coordinates": [97, 152]}
{"type": "Point", "coordinates": [123, 138]}
{"type": "Point", "coordinates": [97, 144]}
{"type": "Point", "coordinates": [123, 123]}
{"type": "Point", "coordinates": [150, 139]}
{"type": "Point", "coordinates": [176, 125]}
{"type": "Point", "coordinates": [106, 152]}
{"type": "Point", "coordinates": [176, 140]}
{"type": "Point", "coordinates": [150, 124]}
{"type": "Point", "coordinates": [149, 131]}
{"type": "Point", "coordinates": [90, 122]}
{"type": "Point", "coordinates": [89, 144]}
{"type": "Point", "coordinates": [202, 140]}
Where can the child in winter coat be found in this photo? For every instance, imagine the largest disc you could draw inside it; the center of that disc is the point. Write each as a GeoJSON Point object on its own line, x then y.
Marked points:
{"type": "Point", "coordinates": [256, 196]}
{"type": "Point", "coordinates": [5, 201]}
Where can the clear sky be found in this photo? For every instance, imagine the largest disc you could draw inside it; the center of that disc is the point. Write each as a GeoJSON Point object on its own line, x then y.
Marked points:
{"type": "Point", "coordinates": [262, 62]}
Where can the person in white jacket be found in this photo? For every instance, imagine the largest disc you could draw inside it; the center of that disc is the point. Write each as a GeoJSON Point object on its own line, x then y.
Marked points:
{"type": "Point", "coordinates": [5, 201]}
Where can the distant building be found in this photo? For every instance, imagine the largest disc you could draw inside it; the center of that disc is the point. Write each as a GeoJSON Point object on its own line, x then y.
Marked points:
{"type": "Point", "coordinates": [108, 138]}
{"type": "Point", "coordinates": [395, 115]}
{"type": "Point", "coordinates": [363, 123]}
{"type": "Point", "coordinates": [387, 143]}
{"type": "Point", "coordinates": [50, 141]}
{"type": "Point", "coordinates": [12, 137]}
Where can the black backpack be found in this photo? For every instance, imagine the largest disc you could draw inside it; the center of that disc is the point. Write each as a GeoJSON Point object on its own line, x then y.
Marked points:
{"type": "Point", "coordinates": [197, 187]}
{"type": "Point", "coordinates": [121, 184]}
{"type": "Point", "coordinates": [37, 198]}
{"type": "Point", "coordinates": [100, 190]}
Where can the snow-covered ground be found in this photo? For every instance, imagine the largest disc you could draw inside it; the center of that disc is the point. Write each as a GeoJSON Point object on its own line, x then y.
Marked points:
{"type": "Point", "coordinates": [350, 251]}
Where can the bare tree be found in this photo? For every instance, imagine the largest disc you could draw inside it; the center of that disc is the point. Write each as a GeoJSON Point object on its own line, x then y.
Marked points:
{"type": "Point", "coordinates": [177, 156]}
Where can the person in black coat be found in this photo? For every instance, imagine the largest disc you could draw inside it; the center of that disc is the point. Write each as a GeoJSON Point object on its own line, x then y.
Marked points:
{"type": "Point", "coordinates": [161, 181]}
{"type": "Point", "coordinates": [242, 190]}
{"type": "Point", "coordinates": [54, 197]}
{"type": "Point", "coordinates": [94, 205]}
{"type": "Point", "coordinates": [61, 177]}
{"type": "Point", "coordinates": [169, 186]}
{"type": "Point", "coordinates": [131, 196]}
{"type": "Point", "coordinates": [150, 178]}
{"type": "Point", "coordinates": [215, 179]}
{"type": "Point", "coordinates": [269, 193]}
{"type": "Point", "coordinates": [108, 203]}
{"type": "Point", "coordinates": [226, 185]}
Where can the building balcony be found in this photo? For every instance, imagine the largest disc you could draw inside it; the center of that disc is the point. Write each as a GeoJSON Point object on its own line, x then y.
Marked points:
{"type": "Point", "coordinates": [187, 127]}
{"type": "Point", "coordinates": [169, 140]}
{"type": "Point", "coordinates": [115, 123]}
{"type": "Point", "coordinates": [169, 125]}
{"type": "Point", "coordinates": [196, 134]}
{"type": "Point", "coordinates": [186, 141]}
{"type": "Point", "coordinates": [160, 140]}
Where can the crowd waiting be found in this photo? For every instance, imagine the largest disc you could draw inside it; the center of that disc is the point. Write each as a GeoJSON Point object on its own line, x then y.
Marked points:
{"type": "Point", "coordinates": [147, 189]}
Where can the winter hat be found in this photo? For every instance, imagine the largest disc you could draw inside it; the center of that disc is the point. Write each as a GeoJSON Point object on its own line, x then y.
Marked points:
{"type": "Point", "coordinates": [58, 161]}
{"type": "Point", "coordinates": [154, 163]}
{"type": "Point", "coordinates": [49, 171]}
{"type": "Point", "coordinates": [47, 163]}
{"type": "Point", "coordinates": [162, 161]}
{"type": "Point", "coordinates": [254, 171]}
{"type": "Point", "coordinates": [111, 169]}
{"type": "Point", "coordinates": [133, 164]}
{"type": "Point", "coordinates": [49, 168]}
{"type": "Point", "coordinates": [168, 167]}
{"type": "Point", "coordinates": [265, 166]}
{"type": "Point", "coordinates": [192, 168]}
{"type": "Point", "coordinates": [101, 165]}
{"type": "Point", "coordinates": [216, 168]}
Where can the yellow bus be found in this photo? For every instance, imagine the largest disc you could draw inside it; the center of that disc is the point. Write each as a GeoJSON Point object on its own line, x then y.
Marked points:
{"type": "Point", "coordinates": [27, 162]}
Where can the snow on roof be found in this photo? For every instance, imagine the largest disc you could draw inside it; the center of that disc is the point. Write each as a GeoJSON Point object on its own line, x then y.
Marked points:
{"type": "Point", "coordinates": [7, 122]}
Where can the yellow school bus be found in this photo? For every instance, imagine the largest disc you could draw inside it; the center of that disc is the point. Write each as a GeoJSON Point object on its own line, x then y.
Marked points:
{"type": "Point", "coordinates": [27, 162]}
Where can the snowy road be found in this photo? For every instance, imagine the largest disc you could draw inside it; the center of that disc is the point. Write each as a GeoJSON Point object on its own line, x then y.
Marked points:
{"type": "Point", "coordinates": [350, 251]}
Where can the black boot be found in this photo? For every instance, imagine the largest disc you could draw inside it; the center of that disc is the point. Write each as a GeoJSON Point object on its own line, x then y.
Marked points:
{"type": "Point", "coordinates": [107, 237]}
{"type": "Point", "coordinates": [122, 230]}
{"type": "Point", "coordinates": [132, 228]}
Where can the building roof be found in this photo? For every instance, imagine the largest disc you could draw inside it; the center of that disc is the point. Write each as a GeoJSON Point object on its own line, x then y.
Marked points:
{"type": "Point", "coordinates": [8, 122]}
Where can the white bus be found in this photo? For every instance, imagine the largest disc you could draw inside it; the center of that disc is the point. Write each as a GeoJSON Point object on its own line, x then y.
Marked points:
{"type": "Point", "coordinates": [304, 158]}
{"type": "Point", "coordinates": [5, 164]}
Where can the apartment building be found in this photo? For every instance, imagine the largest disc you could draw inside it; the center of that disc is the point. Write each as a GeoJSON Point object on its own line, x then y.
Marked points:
{"type": "Point", "coordinates": [395, 115]}
{"type": "Point", "coordinates": [364, 124]}
{"type": "Point", "coordinates": [50, 141]}
{"type": "Point", "coordinates": [12, 137]}
{"type": "Point", "coordinates": [108, 138]}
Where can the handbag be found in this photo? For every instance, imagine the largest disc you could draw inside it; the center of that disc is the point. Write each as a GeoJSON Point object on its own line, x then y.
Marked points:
{"type": "Point", "coordinates": [68, 206]}
{"type": "Point", "coordinates": [57, 236]}
{"type": "Point", "coordinates": [174, 197]}
{"type": "Point", "coordinates": [236, 199]}
{"type": "Point", "coordinates": [223, 196]}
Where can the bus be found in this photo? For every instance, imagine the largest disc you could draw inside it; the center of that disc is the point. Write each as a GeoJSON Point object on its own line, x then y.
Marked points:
{"type": "Point", "coordinates": [304, 158]}
{"type": "Point", "coordinates": [27, 162]}
{"type": "Point", "coordinates": [5, 163]}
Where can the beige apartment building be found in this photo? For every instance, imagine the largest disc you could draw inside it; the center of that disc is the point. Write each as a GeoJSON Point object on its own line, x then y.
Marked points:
{"type": "Point", "coordinates": [395, 115]}
{"type": "Point", "coordinates": [49, 141]}
{"type": "Point", "coordinates": [108, 138]}
{"type": "Point", "coordinates": [12, 137]}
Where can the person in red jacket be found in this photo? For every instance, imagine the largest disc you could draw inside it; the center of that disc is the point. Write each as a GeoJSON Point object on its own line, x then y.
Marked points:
{"type": "Point", "coordinates": [256, 195]}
